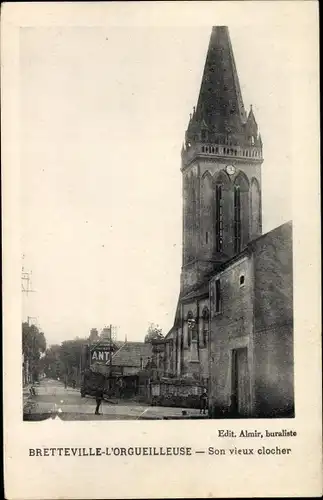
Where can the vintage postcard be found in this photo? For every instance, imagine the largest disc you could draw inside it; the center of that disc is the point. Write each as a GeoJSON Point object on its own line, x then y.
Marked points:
{"type": "Point", "coordinates": [161, 250]}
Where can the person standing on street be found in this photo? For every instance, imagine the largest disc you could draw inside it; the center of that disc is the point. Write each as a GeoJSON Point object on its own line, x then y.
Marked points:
{"type": "Point", "coordinates": [203, 401]}
{"type": "Point", "coordinates": [98, 398]}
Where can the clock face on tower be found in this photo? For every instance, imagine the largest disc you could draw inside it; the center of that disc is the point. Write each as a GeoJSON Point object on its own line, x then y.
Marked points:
{"type": "Point", "coordinates": [230, 169]}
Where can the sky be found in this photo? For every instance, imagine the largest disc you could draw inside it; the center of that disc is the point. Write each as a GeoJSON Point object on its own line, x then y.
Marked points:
{"type": "Point", "coordinates": [103, 112]}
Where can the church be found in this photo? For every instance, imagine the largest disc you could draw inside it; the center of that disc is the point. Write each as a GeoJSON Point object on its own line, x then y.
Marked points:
{"type": "Point", "coordinates": [233, 327]}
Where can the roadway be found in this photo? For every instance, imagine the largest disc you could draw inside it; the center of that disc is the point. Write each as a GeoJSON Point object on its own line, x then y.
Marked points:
{"type": "Point", "coordinates": [53, 399]}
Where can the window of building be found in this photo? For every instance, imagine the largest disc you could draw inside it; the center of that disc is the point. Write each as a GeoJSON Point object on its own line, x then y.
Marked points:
{"type": "Point", "coordinates": [219, 217]}
{"type": "Point", "coordinates": [205, 326]}
{"type": "Point", "coordinates": [190, 320]}
{"type": "Point", "coordinates": [206, 237]}
{"type": "Point", "coordinates": [252, 141]}
{"type": "Point", "coordinates": [237, 219]}
{"type": "Point", "coordinates": [204, 135]}
{"type": "Point", "coordinates": [242, 280]}
{"type": "Point", "coordinates": [217, 296]}
{"type": "Point", "coordinates": [189, 337]}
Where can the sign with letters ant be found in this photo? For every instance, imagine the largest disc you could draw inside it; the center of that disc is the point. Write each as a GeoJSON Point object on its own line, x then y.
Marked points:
{"type": "Point", "coordinates": [101, 353]}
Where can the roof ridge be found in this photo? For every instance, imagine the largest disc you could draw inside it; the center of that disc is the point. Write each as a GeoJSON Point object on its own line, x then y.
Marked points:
{"type": "Point", "coordinates": [113, 355]}
{"type": "Point", "coordinates": [136, 342]}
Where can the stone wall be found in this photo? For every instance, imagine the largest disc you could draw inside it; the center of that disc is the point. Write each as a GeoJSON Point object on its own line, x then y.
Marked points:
{"type": "Point", "coordinates": [257, 314]}
{"type": "Point", "coordinates": [176, 393]}
{"type": "Point", "coordinates": [274, 357]}
{"type": "Point", "coordinates": [231, 328]}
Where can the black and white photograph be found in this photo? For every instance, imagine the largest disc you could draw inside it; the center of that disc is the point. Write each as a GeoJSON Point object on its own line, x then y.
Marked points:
{"type": "Point", "coordinates": [161, 250]}
{"type": "Point", "coordinates": [101, 152]}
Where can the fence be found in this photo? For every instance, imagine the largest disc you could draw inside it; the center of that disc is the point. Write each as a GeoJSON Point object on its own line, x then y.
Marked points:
{"type": "Point", "coordinates": [175, 393]}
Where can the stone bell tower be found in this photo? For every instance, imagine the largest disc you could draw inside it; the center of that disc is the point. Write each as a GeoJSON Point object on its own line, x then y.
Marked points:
{"type": "Point", "coordinates": [221, 168]}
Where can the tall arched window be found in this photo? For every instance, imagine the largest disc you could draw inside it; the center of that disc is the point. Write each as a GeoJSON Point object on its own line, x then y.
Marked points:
{"type": "Point", "coordinates": [206, 205]}
{"type": "Point", "coordinates": [222, 210]}
{"type": "Point", "coordinates": [219, 217]}
{"type": "Point", "coordinates": [237, 219]}
{"type": "Point", "coordinates": [241, 212]}
{"type": "Point", "coordinates": [194, 206]}
{"type": "Point", "coordinates": [190, 320]}
{"type": "Point", "coordinates": [205, 326]}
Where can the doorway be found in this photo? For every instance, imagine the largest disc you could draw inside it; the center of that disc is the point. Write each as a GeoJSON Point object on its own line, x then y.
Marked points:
{"type": "Point", "coordinates": [239, 382]}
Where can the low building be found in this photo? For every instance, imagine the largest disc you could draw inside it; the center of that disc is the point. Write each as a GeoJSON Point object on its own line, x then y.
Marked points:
{"type": "Point", "coordinates": [128, 367]}
{"type": "Point", "coordinates": [251, 340]}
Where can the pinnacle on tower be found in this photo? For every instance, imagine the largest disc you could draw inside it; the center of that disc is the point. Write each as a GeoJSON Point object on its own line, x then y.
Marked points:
{"type": "Point", "coordinates": [252, 127]}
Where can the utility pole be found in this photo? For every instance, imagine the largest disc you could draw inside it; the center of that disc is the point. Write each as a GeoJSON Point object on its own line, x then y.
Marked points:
{"type": "Point", "coordinates": [114, 330]}
{"type": "Point", "coordinates": [26, 288]}
{"type": "Point", "coordinates": [110, 377]}
{"type": "Point", "coordinates": [26, 281]}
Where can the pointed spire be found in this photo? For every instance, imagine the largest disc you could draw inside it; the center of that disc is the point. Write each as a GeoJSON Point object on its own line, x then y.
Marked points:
{"type": "Point", "coordinates": [220, 101]}
{"type": "Point", "coordinates": [251, 115]}
{"type": "Point", "coordinates": [252, 127]}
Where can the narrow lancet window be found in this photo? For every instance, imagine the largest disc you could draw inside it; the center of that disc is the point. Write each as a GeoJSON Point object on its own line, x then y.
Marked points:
{"type": "Point", "coordinates": [237, 220]}
{"type": "Point", "coordinates": [219, 217]}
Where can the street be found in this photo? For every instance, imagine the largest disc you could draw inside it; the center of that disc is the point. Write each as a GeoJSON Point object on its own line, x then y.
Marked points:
{"type": "Point", "coordinates": [53, 399]}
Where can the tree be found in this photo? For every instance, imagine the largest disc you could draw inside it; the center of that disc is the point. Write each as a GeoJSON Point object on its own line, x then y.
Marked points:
{"type": "Point", "coordinates": [53, 366]}
{"type": "Point", "coordinates": [71, 353]}
{"type": "Point", "coordinates": [153, 332]}
{"type": "Point", "coordinates": [33, 346]}
{"type": "Point", "coordinates": [66, 360]}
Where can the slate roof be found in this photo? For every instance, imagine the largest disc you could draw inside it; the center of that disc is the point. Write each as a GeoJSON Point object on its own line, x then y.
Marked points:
{"type": "Point", "coordinates": [198, 293]}
{"type": "Point", "coordinates": [130, 354]}
{"type": "Point", "coordinates": [220, 101]}
{"type": "Point", "coordinates": [203, 290]}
